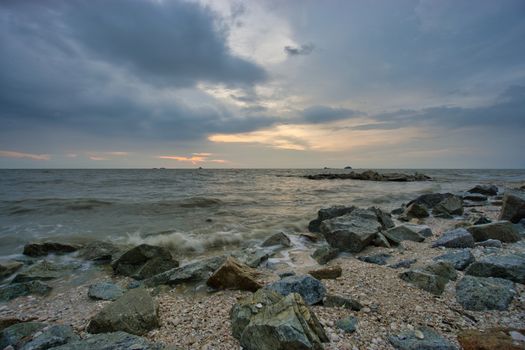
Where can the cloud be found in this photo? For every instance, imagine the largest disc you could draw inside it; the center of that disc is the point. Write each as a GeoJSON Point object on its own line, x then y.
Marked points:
{"type": "Point", "coordinates": [14, 154]}
{"type": "Point", "coordinates": [325, 114]}
{"type": "Point", "coordinates": [195, 158]}
{"type": "Point", "coordinates": [302, 50]}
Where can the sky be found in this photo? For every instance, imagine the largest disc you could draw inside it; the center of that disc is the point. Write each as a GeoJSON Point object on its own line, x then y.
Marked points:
{"type": "Point", "coordinates": [262, 84]}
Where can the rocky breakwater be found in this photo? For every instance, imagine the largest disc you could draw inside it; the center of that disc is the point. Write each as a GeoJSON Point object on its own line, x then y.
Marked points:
{"type": "Point", "coordinates": [371, 175]}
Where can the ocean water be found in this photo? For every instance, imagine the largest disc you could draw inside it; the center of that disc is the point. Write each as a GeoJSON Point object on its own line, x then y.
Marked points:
{"type": "Point", "coordinates": [194, 212]}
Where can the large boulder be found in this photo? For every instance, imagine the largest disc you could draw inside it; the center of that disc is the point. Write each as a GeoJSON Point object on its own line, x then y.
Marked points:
{"type": "Point", "coordinates": [460, 259]}
{"type": "Point", "coordinates": [488, 190]}
{"type": "Point", "coordinates": [45, 271]}
{"type": "Point", "coordinates": [277, 239]}
{"type": "Point", "coordinates": [414, 210]}
{"type": "Point", "coordinates": [485, 293]}
{"type": "Point", "coordinates": [492, 338]}
{"type": "Point", "coordinates": [324, 254]}
{"type": "Point", "coordinates": [15, 335]}
{"type": "Point", "coordinates": [15, 290]}
{"type": "Point", "coordinates": [144, 261]}
{"type": "Point", "coordinates": [508, 266]}
{"type": "Point", "coordinates": [423, 338]}
{"type": "Point", "coordinates": [45, 248]}
{"type": "Point", "coordinates": [234, 275]}
{"type": "Point", "coordinates": [311, 289]}
{"type": "Point", "coordinates": [351, 232]}
{"type": "Point", "coordinates": [449, 207]}
{"type": "Point", "coordinates": [105, 291]}
{"type": "Point", "coordinates": [328, 213]}
{"type": "Point", "coordinates": [111, 341]}
{"type": "Point", "coordinates": [513, 208]}
{"type": "Point", "coordinates": [285, 324]}
{"type": "Point", "coordinates": [404, 233]}
{"type": "Point", "coordinates": [135, 312]}
{"type": "Point", "coordinates": [457, 238]}
{"type": "Point", "coordinates": [430, 200]}
{"type": "Point", "coordinates": [503, 231]}
{"type": "Point", "coordinates": [51, 337]}
{"type": "Point", "coordinates": [7, 268]}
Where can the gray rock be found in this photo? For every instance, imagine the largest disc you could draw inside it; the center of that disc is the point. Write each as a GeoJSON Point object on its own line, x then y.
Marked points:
{"type": "Point", "coordinates": [384, 218]}
{"type": "Point", "coordinates": [500, 230]}
{"type": "Point", "coordinates": [50, 337]}
{"type": "Point", "coordinates": [351, 232]}
{"type": "Point", "coordinates": [403, 264]}
{"type": "Point", "coordinates": [7, 268]}
{"type": "Point", "coordinates": [457, 238]}
{"type": "Point", "coordinates": [448, 207]}
{"type": "Point", "coordinates": [398, 211]}
{"type": "Point", "coordinates": [277, 239]}
{"type": "Point", "coordinates": [488, 190]}
{"type": "Point", "coordinates": [474, 197]}
{"type": "Point", "coordinates": [111, 341]}
{"type": "Point", "coordinates": [144, 261]}
{"type": "Point", "coordinates": [492, 243]}
{"type": "Point", "coordinates": [311, 289]}
{"type": "Point", "coordinates": [423, 230]}
{"type": "Point", "coordinates": [442, 269]}
{"type": "Point", "coordinates": [253, 257]}
{"type": "Point", "coordinates": [513, 208]}
{"type": "Point", "coordinates": [381, 241]}
{"type": "Point", "coordinates": [430, 340]}
{"type": "Point", "coordinates": [332, 300]}
{"type": "Point", "coordinates": [324, 254]}
{"type": "Point", "coordinates": [480, 293]}
{"type": "Point", "coordinates": [287, 324]}
{"type": "Point", "coordinates": [348, 324]}
{"type": "Point", "coordinates": [432, 278]}
{"type": "Point", "coordinates": [45, 248]}
{"type": "Point", "coordinates": [328, 213]}
{"type": "Point", "coordinates": [287, 274]}
{"type": "Point", "coordinates": [508, 266]}
{"type": "Point", "coordinates": [15, 290]}
{"type": "Point", "coordinates": [234, 275]}
{"type": "Point", "coordinates": [378, 259]}
{"type": "Point", "coordinates": [414, 210]}
{"type": "Point", "coordinates": [479, 220]}
{"type": "Point", "coordinates": [44, 271]}
{"type": "Point", "coordinates": [16, 334]}
{"type": "Point", "coordinates": [460, 259]}
{"type": "Point", "coordinates": [135, 312]}
{"type": "Point", "coordinates": [404, 233]}
{"type": "Point", "coordinates": [105, 291]}
{"type": "Point", "coordinates": [430, 200]}
{"type": "Point", "coordinates": [98, 251]}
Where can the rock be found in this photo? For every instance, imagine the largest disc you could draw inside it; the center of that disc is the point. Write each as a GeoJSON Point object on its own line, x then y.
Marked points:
{"type": "Point", "coordinates": [309, 236]}
{"type": "Point", "coordinates": [7, 268]}
{"type": "Point", "coordinates": [324, 254]}
{"type": "Point", "coordinates": [286, 324]}
{"type": "Point", "coordinates": [443, 270]}
{"type": "Point", "coordinates": [277, 239]}
{"type": "Point", "coordinates": [370, 175]}
{"type": "Point", "coordinates": [414, 210]}
{"type": "Point", "coordinates": [403, 264]}
{"type": "Point", "coordinates": [233, 275]}
{"type": "Point", "coordinates": [44, 271]}
{"type": "Point", "coordinates": [423, 230]}
{"type": "Point", "coordinates": [381, 241]}
{"type": "Point", "coordinates": [287, 274]}
{"type": "Point", "coordinates": [508, 266]}
{"type": "Point", "coordinates": [329, 272]}
{"type": "Point", "coordinates": [404, 233]}
{"type": "Point", "coordinates": [348, 324]}
{"type": "Point", "coordinates": [485, 293]}
{"type": "Point", "coordinates": [457, 238]}
{"type": "Point", "coordinates": [111, 341]}
{"type": "Point", "coordinates": [105, 291]}
{"type": "Point", "coordinates": [378, 259]}
{"type": "Point", "coordinates": [513, 208]}
{"type": "Point", "coordinates": [332, 300]}
{"type": "Point", "coordinates": [430, 200]}
{"type": "Point", "coordinates": [384, 218]}
{"type": "Point", "coordinates": [50, 337]}
{"type": "Point", "coordinates": [17, 333]}
{"type": "Point", "coordinates": [45, 248]}
{"type": "Point", "coordinates": [488, 190]}
{"type": "Point", "coordinates": [494, 243]}
{"type": "Point", "coordinates": [448, 207]}
{"type": "Point", "coordinates": [492, 338]}
{"type": "Point", "coordinates": [144, 261]}
{"type": "Point", "coordinates": [351, 232]}
{"type": "Point", "coordinates": [15, 290]}
{"type": "Point", "coordinates": [254, 257]}
{"type": "Point", "coordinates": [197, 271]}
{"type": "Point", "coordinates": [474, 197]}
{"type": "Point", "coordinates": [479, 220]}
{"type": "Point", "coordinates": [460, 259]}
{"type": "Point", "coordinates": [9, 321]}
{"type": "Point", "coordinates": [98, 251]}
{"type": "Point", "coordinates": [428, 280]}
{"type": "Point", "coordinates": [328, 213]}
{"type": "Point", "coordinates": [431, 340]}
{"type": "Point", "coordinates": [500, 230]}
{"type": "Point", "coordinates": [306, 286]}
{"type": "Point", "coordinates": [135, 312]}
{"type": "Point", "coordinates": [398, 211]}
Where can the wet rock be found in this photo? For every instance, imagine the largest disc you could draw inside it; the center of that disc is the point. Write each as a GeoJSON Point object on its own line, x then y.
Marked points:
{"type": "Point", "coordinates": [286, 324]}
{"type": "Point", "coordinates": [111, 341]}
{"type": "Point", "coordinates": [492, 243]}
{"type": "Point", "coordinates": [144, 261]}
{"type": "Point", "coordinates": [430, 200]}
{"type": "Point", "coordinates": [479, 220]}
{"type": "Point", "coordinates": [487, 190]}
{"type": "Point", "coordinates": [135, 312]}
{"type": "Point", "coordinates": [329, 272]}
{"type": "Point", "coordinates": [460, 259]}
{"type": "Point", "coordinates": [98, 251]}
{"type": "Point", "coordinates": [309, 288]}
{"type": "Point", "coordinates": [324, 254]}
{"type": "Point", "coordinates": [105, 291]}
{"type": "Point", "coordinates": [44, 271]}
{"type": "Point", "coordinates": [328, 213]}
{"type": "Point", "coordinates": [50, 337]}
{"type": "Point", "coordinates": [277, 239]}
{"type": "Point", "coordinates": [492, 338]}
{"type": "Point", "coordinates": [414, 210]}
{"type": "Point", "coordinates": [7, 268]}
{"type": "Point", "coordinates": [474, 197]}
{"type": "Point", "coordinates": [378, 259]}
{"type": "Point", "coordinates": [348, 324]}
{"type": "Point", "coordinates": [513, 208]}
{"type": "Point", "coordinates": [45, 248]}
{"type": "Point", "coordinates": [404, 233]}
{"type": "Point", "coordinates": [398, 211]}
{"type": "Point", "coordinates": [457, 238]}
{"type": "Point", "coordinates": [310, 237]}
{"type": "Point", "coordinates": [15, 290]}
{"type": "Point", "coordinates": [403, 264]}
{"type": "Point", "coordinates": [370, 175]}
{"type": "Point", "coordinates": [332, 300]}
{"type": "Point", "coordinates": [426, 339]}
{"type": "Point", "coordinates": [233, 275]}
{"type": "Point", "coordinates": [500, 230]}
{"type": "Point", "coordinates": [351, 232]}
{"type": "Point", "coordinates": [254, 257]}
{"type": "Point", "coordinates": [448, 207]}
{"type": "Point", "coordinates": [197, 271]}
{"type": "Point", "coordinates": [508, 266]}
{"type": "Point", "coordinates": [484, 293]}
{"type": "Point", "coordinates": [17, 333]}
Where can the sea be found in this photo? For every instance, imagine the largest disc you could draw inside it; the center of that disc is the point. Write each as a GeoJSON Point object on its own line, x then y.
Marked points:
{"type": "Point", "coordinates": [197, 211]}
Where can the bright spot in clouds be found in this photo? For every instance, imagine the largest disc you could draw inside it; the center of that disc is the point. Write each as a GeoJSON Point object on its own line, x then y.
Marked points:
{"type": "Point", "coordinates": [195, 158]}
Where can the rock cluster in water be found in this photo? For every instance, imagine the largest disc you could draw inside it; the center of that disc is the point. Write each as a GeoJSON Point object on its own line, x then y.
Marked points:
{"type": "Point", "coordinates": [371, 175]}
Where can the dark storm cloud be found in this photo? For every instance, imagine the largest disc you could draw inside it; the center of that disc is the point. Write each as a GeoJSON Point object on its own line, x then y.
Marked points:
{"type": "Point", "coordinates": [324, 114]}
{"type": "Point", "coordinates": [305, 49]}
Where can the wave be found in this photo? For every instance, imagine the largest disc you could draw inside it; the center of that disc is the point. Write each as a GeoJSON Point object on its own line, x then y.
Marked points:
{"type": "Point", "coordinates": [200, 202]}
{"type": "Point", "coordinates": [27, 206]}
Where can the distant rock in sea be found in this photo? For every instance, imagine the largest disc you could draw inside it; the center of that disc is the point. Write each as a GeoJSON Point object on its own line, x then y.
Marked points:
{"type": "Point", "coordinates": [371, 175]}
